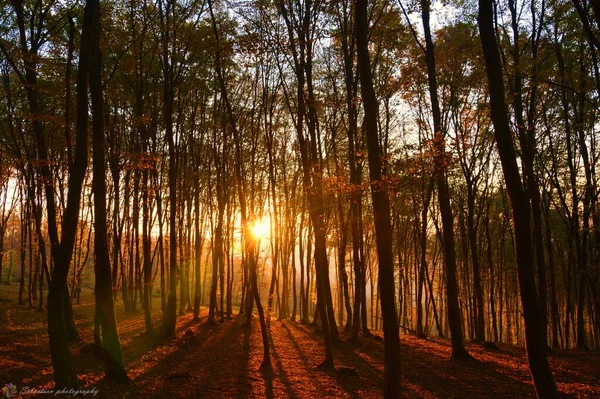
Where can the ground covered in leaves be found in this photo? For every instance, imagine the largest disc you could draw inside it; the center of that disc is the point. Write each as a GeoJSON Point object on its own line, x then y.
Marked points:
{"type": "Point", "coordinates": [223, 361]}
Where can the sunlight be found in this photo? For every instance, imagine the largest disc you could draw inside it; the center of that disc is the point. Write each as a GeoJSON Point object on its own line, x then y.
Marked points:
{"type": "Point", "coordinates": [261, 228]}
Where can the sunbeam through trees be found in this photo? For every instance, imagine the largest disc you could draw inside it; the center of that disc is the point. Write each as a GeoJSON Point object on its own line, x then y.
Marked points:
{"type": "Point", "coordinates": [299, 198]}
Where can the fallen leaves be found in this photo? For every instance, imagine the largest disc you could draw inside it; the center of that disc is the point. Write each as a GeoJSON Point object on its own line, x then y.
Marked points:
{"type": "Point", "coordinates": [224, 361]}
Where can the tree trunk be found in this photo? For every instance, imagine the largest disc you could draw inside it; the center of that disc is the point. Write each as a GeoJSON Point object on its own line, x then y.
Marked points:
{"type": "Point", "coordinates": [251, 255]}
{"type": "Point", "coordinates": [477, 289]}
{"type": "Point", "coordinates": [198, 253]}
{"type": "Point", "coordinates": [458, 348]}
{"type": "Point", "coordinates": [536, 349]}
{"type": "Point", "coordinates": [299, 38]}
{"type": "Point", "coordinates": [423, 253]}
{"type": "Point", "coordinates": [113, 359]}
{"type": "Point", "coordinates": [170, 314]}
{"type": "Point", "coordinates": [381, 209]}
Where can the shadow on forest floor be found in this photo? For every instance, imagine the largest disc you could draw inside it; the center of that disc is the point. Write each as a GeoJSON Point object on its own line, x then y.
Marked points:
{"type": "Point", "coordinates": [223, 360]}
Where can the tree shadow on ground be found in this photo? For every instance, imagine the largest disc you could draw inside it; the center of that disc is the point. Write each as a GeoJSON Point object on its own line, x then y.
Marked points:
{"type": "Point", "coordinates": [192, 362]}
{"type": "Point", "coordinates": [367, 382]}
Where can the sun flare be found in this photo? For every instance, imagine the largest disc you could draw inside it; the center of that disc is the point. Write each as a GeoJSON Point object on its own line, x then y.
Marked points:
{"type": "Point", "coordinates": [261, 229]}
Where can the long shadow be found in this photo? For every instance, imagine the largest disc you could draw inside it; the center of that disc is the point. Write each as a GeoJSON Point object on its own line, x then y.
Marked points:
{"type": "Point", "coordinates": [185, 366]}
{"type": "Point", "coordinates": [472, 374]}
{"type": "Point", "coordinates": [243, 379]}
{"type": "Point", "coordinates": [350, 356]}
{"type": "Point", "coordinates": [301, 354]}
{"type": "Point", "coordinates": [267, 376]}
{"type": "Point", "coordinates": [346, 383]}
{"type": "Point", "coordinates": [280, 371]}
{"type": "Point", "coordinates": [577, 369]}
{"type": "Point", "coordinates": [219, 362]}
{"type": "Point", "coordinates": [441, 373]}
{"type": "Point", "coordinates": [466, 376]}
{"type": "Point", "coordinates": [157, 363]}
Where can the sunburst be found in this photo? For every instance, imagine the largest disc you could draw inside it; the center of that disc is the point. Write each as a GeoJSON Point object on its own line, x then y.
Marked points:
{"type": "Point", "coordinates": [261, 229]}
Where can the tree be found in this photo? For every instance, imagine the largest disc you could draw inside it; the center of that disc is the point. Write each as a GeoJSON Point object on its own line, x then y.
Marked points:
{"type": "Point", "coordinates": [300, 27]}
{"type": "Point", "coordinates": [113, 359]}
{"type": "Point", "coordinates": [246, 233]}
{"type": "Point", "coordinates": [60, 318]}
{"type": "Point", "coordinates": [440, 161]}
{"type": "Point", "coordinates": [536, 349]}
{"type": "Point", "coordinates": [381, 208]}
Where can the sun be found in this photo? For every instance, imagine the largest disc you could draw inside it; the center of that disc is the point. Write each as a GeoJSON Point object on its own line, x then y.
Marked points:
{"type": "Point", "coordinates": [261, 229]}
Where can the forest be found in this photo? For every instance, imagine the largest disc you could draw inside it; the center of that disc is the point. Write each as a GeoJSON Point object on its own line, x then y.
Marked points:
{"type": "Point", "coordinates": [299, 198]}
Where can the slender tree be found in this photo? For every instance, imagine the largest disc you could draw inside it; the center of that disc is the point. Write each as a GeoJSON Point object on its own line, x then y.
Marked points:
{"type": "Point", "coordinates": [536, 349]}
{"type": "Point", "coordinates": [381, 208]}
{"type": "Point", "coordinates": [113, 359]}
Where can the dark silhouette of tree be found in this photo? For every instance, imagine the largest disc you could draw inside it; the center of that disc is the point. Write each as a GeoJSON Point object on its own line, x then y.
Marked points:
{"type": "Point", "coordinates": [113, 359]}
{"type": "Point", "coordinates": [248, 239]}
{"type": "Point", "coordinates": [440, 165]}
{"type": "Point", "coordinates": [536, 348]}
{"type": "Point", "coordinates": [300, 28]}
{"type": "Point", "coordinates": [381, 207]}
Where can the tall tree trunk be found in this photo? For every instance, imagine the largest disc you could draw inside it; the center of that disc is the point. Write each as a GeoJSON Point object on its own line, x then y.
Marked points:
{"type": "Point", "coordinates": [458, 348]}
{"type": "Point", "coordinates": [170, 315]}
{"type": "Point", "coordinates": [536, 349]}
{"type": "Point", "coordinates": [60, 322]}
{"type": "Point", "coordinates": [343, 222]}
{"type": "Point", "coordinates": [348, 42]}
{"type": "Point", "coordinates": [477, 289]}
{"type": "Point", "coordinates": [381, 209]}
{"type": "Point", "coordinates": [423, 253]}
{"type": "Point", "coordinates": [527, 140]}
{"type": "Point", "coordinates": [23, 253]}
{"type": "Point", "coordinates": [251, 254]}
{"type": "Point", "coordinates": [300, 41]}
{"type": "Point", "coordinates": [113, 358]}
{"type": "Point", "coordinates": [217, 255]}
{"type": "Point", "coordinates": [553, 299]}
{"type": "Point", "coordinates": [146, 243]}
{"type": "Point", "coordinates": [198, 251]}
{"type": "Point", "coordinates": [587, 199]}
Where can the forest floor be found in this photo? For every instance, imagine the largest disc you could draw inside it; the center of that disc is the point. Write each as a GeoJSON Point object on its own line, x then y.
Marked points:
{"type": "Point", "coordinates": [222, 361]}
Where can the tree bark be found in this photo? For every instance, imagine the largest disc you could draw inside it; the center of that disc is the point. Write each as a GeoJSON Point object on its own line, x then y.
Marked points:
{"type": "Point", "coordinates": [170, 314]}
{"type": "Point", "coordinates": [381, 209]}
{"type": "Point", "coordinates": [536, 349]}
{"type": "Point", "coordinates": [111, 345]}
{"type": "Point", "coordinates": [440, 165]}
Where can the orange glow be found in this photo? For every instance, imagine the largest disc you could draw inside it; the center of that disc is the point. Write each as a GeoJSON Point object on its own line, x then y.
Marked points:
{"type": "Point", "coordinates": [261, 229]}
